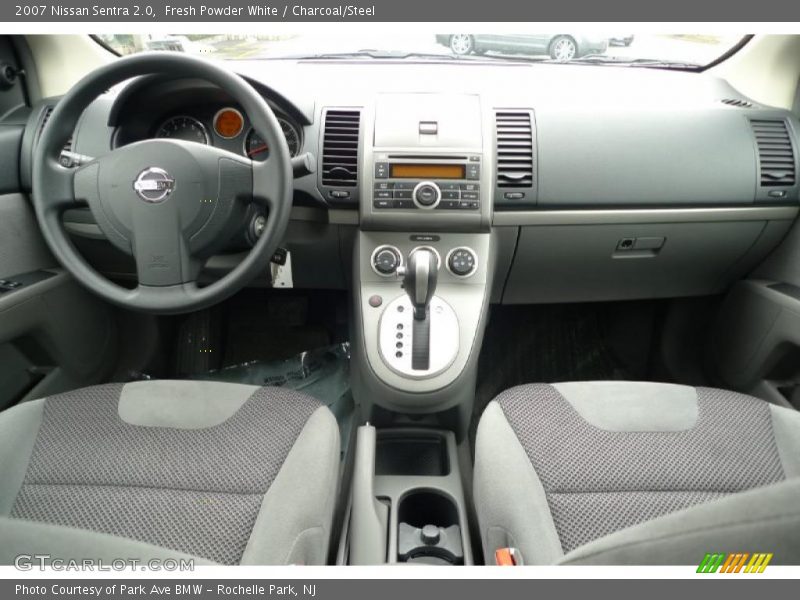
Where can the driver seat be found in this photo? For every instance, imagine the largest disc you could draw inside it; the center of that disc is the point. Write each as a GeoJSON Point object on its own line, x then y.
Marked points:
{"type": "Point", "coordinates": [223, 473]}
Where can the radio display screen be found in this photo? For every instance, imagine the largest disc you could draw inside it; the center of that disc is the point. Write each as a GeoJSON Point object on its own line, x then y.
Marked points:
{"type": "Point", "coordinates": [426, 171]}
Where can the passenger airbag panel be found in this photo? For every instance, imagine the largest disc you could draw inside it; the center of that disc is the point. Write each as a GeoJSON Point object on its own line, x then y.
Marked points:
{"type": "Point", "coordinates": [644, 158]}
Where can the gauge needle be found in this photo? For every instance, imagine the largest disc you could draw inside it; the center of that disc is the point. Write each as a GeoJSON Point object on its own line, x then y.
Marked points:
{"type": "Point", "coordinates": [257, 150]}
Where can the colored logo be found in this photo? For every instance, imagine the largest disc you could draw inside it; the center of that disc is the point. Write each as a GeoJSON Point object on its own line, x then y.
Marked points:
{"type": "Point", "coordinates": [735, 562]}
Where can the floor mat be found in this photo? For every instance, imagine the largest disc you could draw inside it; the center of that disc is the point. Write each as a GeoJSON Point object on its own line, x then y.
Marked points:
{"type": "Point", "coordinates": [253, 326]}
{"type": "Point", "coordinates": [257, 329]}
{"type": "Point", "coordinates": [322, 373]}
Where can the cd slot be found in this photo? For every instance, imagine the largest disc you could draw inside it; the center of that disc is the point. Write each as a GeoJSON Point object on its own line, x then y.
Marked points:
{"type": "Point", "coordinates": [427, 157]}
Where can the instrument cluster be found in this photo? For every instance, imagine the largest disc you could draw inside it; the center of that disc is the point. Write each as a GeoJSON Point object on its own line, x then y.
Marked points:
{"type": "Point", "coordinates": [226, 127]}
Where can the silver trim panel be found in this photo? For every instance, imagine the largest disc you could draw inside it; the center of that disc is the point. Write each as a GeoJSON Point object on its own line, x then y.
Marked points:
{"type": "Point", "coordinates": [647, 215]}
{"type": "Point", "coordinates": [397, 352]}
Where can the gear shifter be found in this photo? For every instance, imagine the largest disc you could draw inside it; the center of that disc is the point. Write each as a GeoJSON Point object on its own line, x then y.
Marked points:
{"type": "Point", "coordinates": [418, 331]}
{"type": "Point", "coordinates": [419, 280]}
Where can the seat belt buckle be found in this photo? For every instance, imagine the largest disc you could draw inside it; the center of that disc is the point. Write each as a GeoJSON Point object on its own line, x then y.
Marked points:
{"type": "Point", "coordinates": [507, 557]}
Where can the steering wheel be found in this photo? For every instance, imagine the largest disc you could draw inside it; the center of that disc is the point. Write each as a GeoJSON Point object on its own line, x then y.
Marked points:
{"type": "Point", "coordinates": [170, 204]}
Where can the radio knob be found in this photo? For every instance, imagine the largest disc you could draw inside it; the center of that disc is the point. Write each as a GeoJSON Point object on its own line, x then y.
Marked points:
{"type": "Point", "coordinates": [462, 262]}
{"type": "Point", "coordinates": [427, 194]}
{"type": "Point", "coordinates": [386, 260]}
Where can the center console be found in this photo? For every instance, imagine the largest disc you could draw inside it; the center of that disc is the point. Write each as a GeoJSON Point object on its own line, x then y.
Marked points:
{"type": "Point", "coordinates": [427, 163]}
{"type": "Point", "coordinates": [424, 254]}
{"type": "Point", "coordinates": [423, 264]}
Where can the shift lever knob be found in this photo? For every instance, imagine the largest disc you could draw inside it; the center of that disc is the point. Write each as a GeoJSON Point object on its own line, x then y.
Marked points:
{"type": "Point", "coordinates": [419, 280]}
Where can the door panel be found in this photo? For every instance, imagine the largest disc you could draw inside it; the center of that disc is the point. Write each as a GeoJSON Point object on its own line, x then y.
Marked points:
{"type": "Point", "coordinates": [54, 335]}
{"type": "Point", "coordinates": [756, 343]}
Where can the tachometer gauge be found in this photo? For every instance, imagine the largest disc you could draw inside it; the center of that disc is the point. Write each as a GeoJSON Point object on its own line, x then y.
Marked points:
{"type": "Point", "coordinates": [256, 148]}
{"type": "Point", "coordinates": [188, 129]}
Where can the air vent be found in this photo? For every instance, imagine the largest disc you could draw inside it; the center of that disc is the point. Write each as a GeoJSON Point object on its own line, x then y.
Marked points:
{"type": "Point", "coordinates": [45, 118]}
{"type": "Point", "coordinates": [340, 148]}
{"type": "Point", "coordinates": [775, 152]}
{"type": "Point", "coordinates": [67, 158]}
{"type": "Point", "coordinates": [737, 103]}
{"type": "Point", "coordinates": [514, 149]}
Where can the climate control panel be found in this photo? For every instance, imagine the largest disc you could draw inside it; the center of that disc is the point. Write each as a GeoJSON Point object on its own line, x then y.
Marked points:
{"type": "Point", "coordinates": [450, 284]}
{"type": "Point", "coordinates": [460, 261]}
{"type": "Point", "coordinates": [386, 260]}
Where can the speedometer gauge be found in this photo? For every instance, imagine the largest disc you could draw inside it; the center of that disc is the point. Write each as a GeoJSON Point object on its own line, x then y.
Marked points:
{"type": "Point", "coordinates": [256, 148]}
{"type": "Point", "coordinates": [183, 128]}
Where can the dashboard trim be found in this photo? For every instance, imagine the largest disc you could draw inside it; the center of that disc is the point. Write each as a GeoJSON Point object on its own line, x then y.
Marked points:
{"type": "Point", "coordinates": [544, 217]}
{"type": "Point", "coordinates": [645, 215]}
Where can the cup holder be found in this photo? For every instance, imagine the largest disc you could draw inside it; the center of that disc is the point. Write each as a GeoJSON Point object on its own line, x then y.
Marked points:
{"type": "Point", "coordinates": [428, 529]}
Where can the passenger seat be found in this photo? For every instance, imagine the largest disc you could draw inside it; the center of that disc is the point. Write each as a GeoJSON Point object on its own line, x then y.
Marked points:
{"type": "Point", "coordinates": [636, 473]}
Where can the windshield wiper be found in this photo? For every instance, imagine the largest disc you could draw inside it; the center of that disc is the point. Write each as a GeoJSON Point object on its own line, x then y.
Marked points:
{"type": "Point", "coordinates": [620, 61]}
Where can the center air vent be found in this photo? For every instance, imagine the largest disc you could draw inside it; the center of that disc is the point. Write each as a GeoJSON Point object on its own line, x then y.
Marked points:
{"type": "Point", "coordinates": [514, 149]}
{"type": "Point", "coordinates": [340, 148]}
{"type": "Point", "coordinates": [775, 152]}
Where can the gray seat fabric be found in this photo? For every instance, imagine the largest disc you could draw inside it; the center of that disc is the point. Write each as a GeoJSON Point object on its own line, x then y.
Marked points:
{"type": "Point", "coordinates": [227, 473]}
{"type": "Point", "coordinates": [762, 519]}
{"type": "Point", "coordinates": [558, 468]}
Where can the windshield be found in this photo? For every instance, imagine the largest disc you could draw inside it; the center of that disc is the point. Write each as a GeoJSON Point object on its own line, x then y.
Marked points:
{"type": "Point", "coordinates": [627, 49]}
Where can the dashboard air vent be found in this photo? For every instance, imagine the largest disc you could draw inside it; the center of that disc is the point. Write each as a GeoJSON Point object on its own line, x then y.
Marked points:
{"type": "Point", "coordinates": [514, 149]}
{"type": "Point", "coordinates": [775, 152]}
{"type": "Point", "coordinates": [66, 158]}
{"type": "Point", "coordinates": [45, 118]}
{"type": "Point", "coordinates": [340, 148]}
{"type": "Point", "coordinates": [738, 103]}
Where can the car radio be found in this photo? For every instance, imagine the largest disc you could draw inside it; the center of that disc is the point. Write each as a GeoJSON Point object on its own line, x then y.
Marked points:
{"type": "Point", "coordinates": [427, 182]}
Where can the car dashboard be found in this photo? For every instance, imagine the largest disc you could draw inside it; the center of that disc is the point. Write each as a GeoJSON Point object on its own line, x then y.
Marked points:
{"type": "Point", "coordinates": [596, 183]}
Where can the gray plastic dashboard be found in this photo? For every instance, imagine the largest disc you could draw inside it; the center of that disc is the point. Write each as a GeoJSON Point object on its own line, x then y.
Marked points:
{"type": "Point", "coordinates": [604, 136]}
{"type": "Point", "coordinates": [619, 154]}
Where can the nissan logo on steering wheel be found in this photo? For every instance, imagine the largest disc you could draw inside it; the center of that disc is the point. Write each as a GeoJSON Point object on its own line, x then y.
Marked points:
{"type": "Point", "coordinates": [154, 185]}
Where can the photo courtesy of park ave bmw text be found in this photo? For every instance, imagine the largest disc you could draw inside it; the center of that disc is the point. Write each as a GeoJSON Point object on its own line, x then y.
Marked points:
{"type": "Point", "coordinates": [401, 300]}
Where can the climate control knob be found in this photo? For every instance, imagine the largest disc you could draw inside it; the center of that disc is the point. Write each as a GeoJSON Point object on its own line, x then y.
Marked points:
{"type": "Point", "coordinates": [462, 262]}
{"type": "Point", "coordinates": [386, 260]}
{"type": "Point", "coordinates": [427, 194]}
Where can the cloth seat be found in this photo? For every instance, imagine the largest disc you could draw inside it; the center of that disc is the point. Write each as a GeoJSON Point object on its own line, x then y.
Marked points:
{"type": "Point", "coordinates": [636, 473]}
{"type": "Point", "coordinates": [225, 473]}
